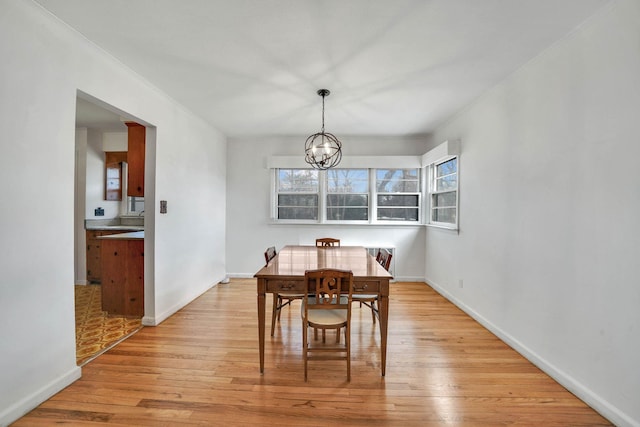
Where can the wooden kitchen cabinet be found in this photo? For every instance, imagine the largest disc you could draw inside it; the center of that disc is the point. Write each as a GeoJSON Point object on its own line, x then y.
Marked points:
{"type": "Point", "coordinates": [135, 158]}
{"type": "Point", "coordinates": [123, 277]}
{"type": "Point", "coordinates": [113, 174]}
{"type": "Point", "coordinates": [94, 264]}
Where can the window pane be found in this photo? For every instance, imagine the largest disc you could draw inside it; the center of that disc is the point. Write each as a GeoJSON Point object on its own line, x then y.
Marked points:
{"type": "Point", "coordinates": [298, 180]}
{"type": "Point", "coordinates": [348, 181]}
{"type": "Point", "coordinates": [398, 214]}
{"type": "Point", "coordinates": [397, 180]}
{"type": "Point", "coordinates": [444, 199]}
{"type": "Point", "coordinates": [347, 200]}
{"type": "Point", "coordinates": [298, 200]}
{"type": "Point", "coordinates": [297, 213]}
{"type": "Point", "coordinates": [447, 215]}
{"type": "Point", "coordinates": [448, 167]}
{"type": "Point", "coordinates": [347, 214]}
{"type": "Point", "coordinates": [398, 200]}
{"type": "Point", "coordinates": [445, 183]}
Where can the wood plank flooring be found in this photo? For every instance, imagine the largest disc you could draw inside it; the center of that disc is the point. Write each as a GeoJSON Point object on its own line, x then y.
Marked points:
{"type": "Point", "coordinates": [201, 367]}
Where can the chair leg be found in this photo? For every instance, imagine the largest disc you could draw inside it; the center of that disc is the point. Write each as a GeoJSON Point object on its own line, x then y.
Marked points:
{"type": "Point", "coordinates": [373, 311]}
{"type": "Point", "coordinates": [347, 340]}
{"type": "Point", "coordinates": [275, 312]}
{"type": "Point", "coordinates": [280, 306]}
{"type": "Point", "coordinates": [305, 347]}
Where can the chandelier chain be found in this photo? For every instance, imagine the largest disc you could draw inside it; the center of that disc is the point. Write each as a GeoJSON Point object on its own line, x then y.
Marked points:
{"type": "Point", "coordinates": [323, 95]}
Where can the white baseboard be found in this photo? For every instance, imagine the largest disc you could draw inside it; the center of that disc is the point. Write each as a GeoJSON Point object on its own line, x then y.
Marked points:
{"type": "Point", "coordinates": [408, 279]}
{"type": "Point", "coordinates": [25, 405]}
{"type": "Point", "coordinates": [395, 279]}
{"type": "Point", "coordinates": [159, 318]}
{"type": "Point", "coordinates": [584, 393]}
{"type": "Point", "coordinates": [240, 275]}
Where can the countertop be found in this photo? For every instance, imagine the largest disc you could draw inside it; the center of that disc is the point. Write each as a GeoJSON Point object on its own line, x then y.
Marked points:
{"type": "Point", "coordinates": [122, 223]}
{"type": "Point", "coordinates": [136, 235]}
{"type": "Point", "coordinates": [115, 227]}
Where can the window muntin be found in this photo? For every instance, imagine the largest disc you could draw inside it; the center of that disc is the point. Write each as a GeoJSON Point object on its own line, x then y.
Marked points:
{"type": "Point", "coordinates": [398, 194]}
{"type": "Point", "coordinates": [444, 193]}
{"type": "Point", "coordinates": [347, 195]}
{"type": "Point", "coordinates": [297, 194]}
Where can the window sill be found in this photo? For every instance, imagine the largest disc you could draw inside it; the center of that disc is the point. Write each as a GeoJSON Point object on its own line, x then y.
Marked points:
{"type": "Point", "coordinates": [347, 224]}
{"type": "Point", "coordinates": [444, 227]}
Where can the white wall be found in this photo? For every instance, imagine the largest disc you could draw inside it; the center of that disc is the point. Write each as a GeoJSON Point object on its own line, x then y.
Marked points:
{"type": "Point", "coordinates": [248, 196]}
{"type": "Point", "coordinates": [42, 68]}
{"type": "Point", "coordinates": [96, 141]}
{"type": "Point", "coordinates": [80, 238]}
{"type": "Point", "coordinates": [549, 200]}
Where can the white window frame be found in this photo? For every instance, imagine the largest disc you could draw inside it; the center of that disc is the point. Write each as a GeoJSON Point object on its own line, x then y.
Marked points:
{"type": "Point", "coordinates": [432, 184]}
{"type": "Point", "coordinates": [323, 193]}
{"type": "Point", "coordinates": [275, 193]}
{"type": "Point", "coordinates": [326, 195]}
{"type": "Point", "coordinates": [418, 193]}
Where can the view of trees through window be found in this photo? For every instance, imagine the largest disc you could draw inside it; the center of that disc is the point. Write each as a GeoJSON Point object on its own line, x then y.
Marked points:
{"type": "Point", "coordinates": [298, 194]}
{"type": "Point", "coordinates": [398, 194]}
{"type": "Point", "coordinates": [348, 194]}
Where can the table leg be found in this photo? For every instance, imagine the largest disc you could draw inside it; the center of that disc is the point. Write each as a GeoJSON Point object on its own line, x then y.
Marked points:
{"type": "Point", "coordinates": [383, 316]}
{"type": "Point", "coordinates": [261, 313]}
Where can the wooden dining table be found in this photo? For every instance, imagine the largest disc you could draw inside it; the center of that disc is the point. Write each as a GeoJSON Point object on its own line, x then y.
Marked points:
{"type": "Point", "coordinates": [285, 273]}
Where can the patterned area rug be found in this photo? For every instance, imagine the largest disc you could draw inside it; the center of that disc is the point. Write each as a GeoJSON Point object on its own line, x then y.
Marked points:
{"type": "Point", "coordinates": [96, 331]}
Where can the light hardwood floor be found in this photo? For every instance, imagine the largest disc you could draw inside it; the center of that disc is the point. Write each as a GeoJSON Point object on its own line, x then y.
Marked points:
{"type": "Point", "coordinates": [201, 367]}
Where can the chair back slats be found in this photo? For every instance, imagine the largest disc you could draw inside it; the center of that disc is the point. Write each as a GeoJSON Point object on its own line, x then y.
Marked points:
{"type": "Point", "coordinates": [328, 288]}
{"type": "Point", "coordinates": [384, 258]}
{"type": "Point", "coordinates": [325, 242]}
{"type": "Point", "coordinates": [269, 254]}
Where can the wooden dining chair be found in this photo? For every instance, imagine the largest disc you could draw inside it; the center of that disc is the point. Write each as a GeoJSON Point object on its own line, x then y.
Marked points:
{"type": "Point", "coordinates": [280, 300]}
{"type": "Point", "coordinates": [325, 242]}
{"type": "Point", "coordinates": [383, 258]}
{"type": "Point", "coordinates": [329, 307]}
{"type": "Point", "coordinates": [269, 254]}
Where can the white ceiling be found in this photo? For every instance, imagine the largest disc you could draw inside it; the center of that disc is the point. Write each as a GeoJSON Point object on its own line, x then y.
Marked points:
{"type": "Point", "coordinates": [394, 67]}
{"type": "Point", "coordinates": [90, 115]}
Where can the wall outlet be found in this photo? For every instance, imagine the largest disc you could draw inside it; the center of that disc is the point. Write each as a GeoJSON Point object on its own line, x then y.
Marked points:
{"type": "Point", "coordinates": [460, 283]}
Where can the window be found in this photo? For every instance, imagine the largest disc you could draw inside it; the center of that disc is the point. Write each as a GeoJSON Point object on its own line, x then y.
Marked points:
{"type": "Point", "coordinates": [444, 193]}
{"type": "Point", "coordinates": [135, 205]}
{"type": "Point", "coordinates": [297, 194]}
{"type": "Point", "coordinates": [398, 194]}
{"type": "Point", "coordinates": [347, 194]}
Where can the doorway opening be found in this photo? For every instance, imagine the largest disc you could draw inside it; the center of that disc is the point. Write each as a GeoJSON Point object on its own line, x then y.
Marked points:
{"type": "Point", "coordinates": [103, 207]}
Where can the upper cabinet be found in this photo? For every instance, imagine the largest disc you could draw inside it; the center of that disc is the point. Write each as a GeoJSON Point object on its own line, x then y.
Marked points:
{"type": "Point", "coordinates": [113, 174]}
{"type": "Point", "coordinates": [135, 159]}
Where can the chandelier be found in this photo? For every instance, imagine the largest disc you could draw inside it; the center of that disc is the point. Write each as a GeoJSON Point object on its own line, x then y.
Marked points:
{"type": "Point", "coordinates": [323, 150]}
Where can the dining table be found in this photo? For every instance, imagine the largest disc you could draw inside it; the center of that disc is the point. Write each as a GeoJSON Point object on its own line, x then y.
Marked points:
{"type": "Point", "coordinates": [285, 273]}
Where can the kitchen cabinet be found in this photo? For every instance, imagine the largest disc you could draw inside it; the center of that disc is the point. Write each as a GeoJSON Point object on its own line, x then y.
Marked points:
{"type": "Point", "coordinates": [94, 265]}
{"type": "Point", "coordinates": [135, 159]}
{"type": "Point", "coordinates": [123, 275]}
{"type": "Point", "coordinates": [113, 161]}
